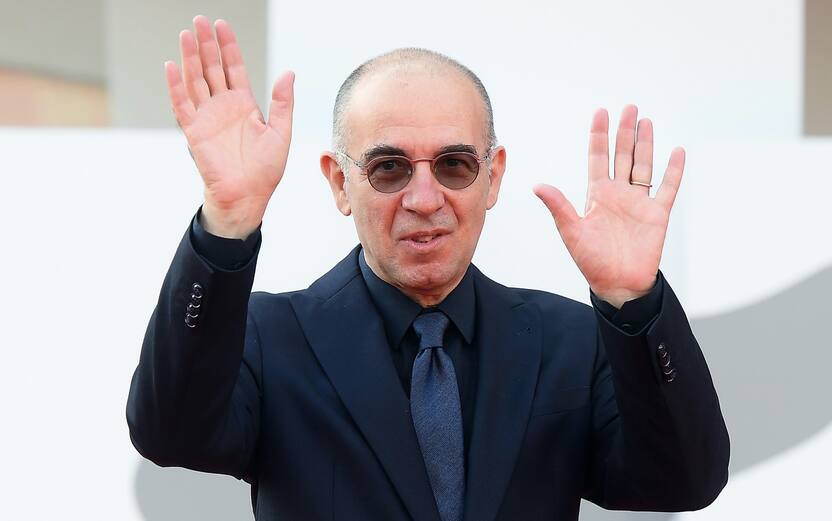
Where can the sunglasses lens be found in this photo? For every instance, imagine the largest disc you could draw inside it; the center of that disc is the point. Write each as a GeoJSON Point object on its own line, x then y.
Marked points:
{"type": "Point", "coordinates": [456, 170]}
{"type": "Point", "coordinates": [389, 174]}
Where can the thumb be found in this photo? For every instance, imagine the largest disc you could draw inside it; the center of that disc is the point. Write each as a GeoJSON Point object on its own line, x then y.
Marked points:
{"type": "Point", "coordinates": [282, 105]}
{"type": "Point", "coordinates": [560, 207]}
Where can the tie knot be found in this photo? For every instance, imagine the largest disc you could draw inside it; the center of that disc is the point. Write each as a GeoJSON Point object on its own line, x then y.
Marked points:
{"type": "Point", "coordinates": [431, 328]}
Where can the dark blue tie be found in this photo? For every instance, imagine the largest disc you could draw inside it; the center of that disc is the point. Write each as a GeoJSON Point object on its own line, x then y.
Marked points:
{"type": "Point", "coordinates": [437, 416]}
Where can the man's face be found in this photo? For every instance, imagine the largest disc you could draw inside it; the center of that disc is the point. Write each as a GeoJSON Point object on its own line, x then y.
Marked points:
{"type": "Point", "coordinates": [418, 112]}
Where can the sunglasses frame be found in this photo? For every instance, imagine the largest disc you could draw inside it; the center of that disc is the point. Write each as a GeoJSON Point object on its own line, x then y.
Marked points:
{"type": "Point", "coordinates": [365, 167]}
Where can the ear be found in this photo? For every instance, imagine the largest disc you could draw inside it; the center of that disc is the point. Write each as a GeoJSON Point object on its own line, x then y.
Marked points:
{"type": "Point", "coordinates": [337, 181]}
{"type": "Point", "coordinates": [498, 167]}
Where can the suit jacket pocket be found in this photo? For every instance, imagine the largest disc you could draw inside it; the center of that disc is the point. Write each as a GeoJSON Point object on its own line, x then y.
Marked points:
{"type": "Point", "coordinates": [561, 400]}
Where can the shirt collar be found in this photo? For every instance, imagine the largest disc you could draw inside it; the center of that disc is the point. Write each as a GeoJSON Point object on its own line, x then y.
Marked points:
{"type": "Point", "coordinates": [398, 311]}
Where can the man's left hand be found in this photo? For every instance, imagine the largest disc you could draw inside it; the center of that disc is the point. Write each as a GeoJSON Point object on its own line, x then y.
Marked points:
{"type": "Point", "coordinates": [618, 243]}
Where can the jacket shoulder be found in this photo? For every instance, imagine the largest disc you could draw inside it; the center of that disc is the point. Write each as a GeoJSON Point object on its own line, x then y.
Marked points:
{"type": "Point", "coordinates": [265, 307]}
{"type": "Point", "coordinates": [551, 306]}
{"type": "Point", "coordinates": [336, 279]}
{"type": "Point", "coordinates": [557, 310]}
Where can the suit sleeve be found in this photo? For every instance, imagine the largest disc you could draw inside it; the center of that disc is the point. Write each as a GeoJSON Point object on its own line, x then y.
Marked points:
{"type": "Point", "coordinates": [660, 441]}
{"type": "Point", "coordinates": [194, 399]}
{"type": "Point", "coordinates": [220, 252]}
{"type": "Point", "coordinates": [634, 315]}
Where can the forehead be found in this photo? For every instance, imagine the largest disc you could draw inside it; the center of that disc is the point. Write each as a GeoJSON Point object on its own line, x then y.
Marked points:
{"type": "Point", "coordinates": [418, 109]}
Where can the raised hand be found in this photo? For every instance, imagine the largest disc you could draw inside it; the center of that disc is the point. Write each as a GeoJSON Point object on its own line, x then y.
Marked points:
{"type": "Point", "coordinates": [240, 156]}
{"type": "Point", "coordinates": [618, 242]}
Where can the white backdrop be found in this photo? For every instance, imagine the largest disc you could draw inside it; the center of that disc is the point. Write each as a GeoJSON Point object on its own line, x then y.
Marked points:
{"type": "Point", "coordinates": [91, 220]}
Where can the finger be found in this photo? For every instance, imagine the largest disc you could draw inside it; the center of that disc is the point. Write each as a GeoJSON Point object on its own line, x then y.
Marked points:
{"type": "Point", "coordinates": [643, 157]}
{"type": "Point", "coordinates": [209, 55]}
{"type": "Point", "coordinates": [282, 105]}
{"type": "Point", "coordinates": [599, 153]}
{"type": "Point", "coordinates": [183, 108]}
{"type": "Point", "coordinates": [559, 206]}
{"type": "Point", "coordinates": [672, 179]}
{"type": "Point", "coordinates": [195, 83]}
{"type": "Point", "coordinates": [625, 140]}
{"type": "Point", "coordinates": [232, 59]}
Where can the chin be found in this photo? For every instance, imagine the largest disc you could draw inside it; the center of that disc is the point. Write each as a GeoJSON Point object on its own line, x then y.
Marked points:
{"type": "Point", "coordinates": [430, 275]}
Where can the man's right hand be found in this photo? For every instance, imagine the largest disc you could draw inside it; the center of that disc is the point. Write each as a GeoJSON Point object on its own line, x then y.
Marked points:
{"type": "Point", "coordinates": [240, 156]}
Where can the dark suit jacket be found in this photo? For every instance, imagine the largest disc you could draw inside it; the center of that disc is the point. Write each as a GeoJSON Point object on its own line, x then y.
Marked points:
{"type": "Point", "coordinates": [297, 394]}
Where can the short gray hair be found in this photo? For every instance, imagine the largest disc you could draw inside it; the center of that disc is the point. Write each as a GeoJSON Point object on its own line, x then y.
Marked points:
{"type": "Point", "coordinates": [402, 56]}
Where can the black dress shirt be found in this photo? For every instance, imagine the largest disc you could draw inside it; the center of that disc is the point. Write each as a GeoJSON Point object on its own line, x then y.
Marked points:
{"type": "Point", "coordinates": [398, 311]}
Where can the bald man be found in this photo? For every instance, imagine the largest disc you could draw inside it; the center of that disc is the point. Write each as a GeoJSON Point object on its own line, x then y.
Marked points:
{"type": "Point", "coordinates": [404, 384]}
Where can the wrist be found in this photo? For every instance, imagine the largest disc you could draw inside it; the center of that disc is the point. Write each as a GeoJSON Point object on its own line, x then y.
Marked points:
{"type": "Point", "coordinates": [617, 297]}
{"type": "Point", "coordinates": [236, 223]}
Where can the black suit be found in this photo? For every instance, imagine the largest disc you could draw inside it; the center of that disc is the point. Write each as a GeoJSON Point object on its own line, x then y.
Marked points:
{"type": "Point", "coordinates": [297, 393]}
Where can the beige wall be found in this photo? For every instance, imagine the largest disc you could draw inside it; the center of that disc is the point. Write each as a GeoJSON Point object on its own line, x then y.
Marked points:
{"type": "Point", "coordinates": [142, 35]}
{"type": "Point", "coordinates": [53, 37]}
{"type": "Point", "coordinates": [817, 100]}
{"type": "Point", "coordinates": [99, 62]}
{"type": "Point", "coordinates": [41, 100]}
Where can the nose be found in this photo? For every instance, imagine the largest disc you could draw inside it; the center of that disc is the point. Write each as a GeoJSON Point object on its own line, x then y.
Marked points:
{"type": "Point", "coordinates": [423, 194]}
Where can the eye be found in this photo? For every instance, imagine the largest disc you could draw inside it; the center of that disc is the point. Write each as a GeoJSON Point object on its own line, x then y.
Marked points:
{"type": "Point", "coordinates": [457, 163]}
{"type": "Point", "coordinates": [452, 162]}
{"type": "Point", "coordinates": [389, 174]}
{"type": "Point", "coordinates": [389, 164]}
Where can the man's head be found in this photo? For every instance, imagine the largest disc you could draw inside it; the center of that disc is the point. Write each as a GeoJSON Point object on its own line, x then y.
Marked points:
{"type": "Point", "coordinates": [416, 102]}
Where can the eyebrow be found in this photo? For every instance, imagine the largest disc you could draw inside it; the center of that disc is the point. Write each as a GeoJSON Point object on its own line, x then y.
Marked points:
{"type": "Point", "coordinates": [383, 149]}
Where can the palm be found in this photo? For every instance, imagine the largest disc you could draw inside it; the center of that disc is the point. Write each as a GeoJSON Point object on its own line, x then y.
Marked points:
{"type": "Point", "coordinates": [622, 227]}
{"type": "Point", "coordinates": [240, 155]}
{"type": "Point", "coordinates": [618, 243]}
{"type": "Point", "coordinates": [235, 151]}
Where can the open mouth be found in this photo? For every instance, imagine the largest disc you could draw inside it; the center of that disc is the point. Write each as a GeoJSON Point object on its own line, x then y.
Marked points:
{"type": "Point", "coordinates": [424, 242]}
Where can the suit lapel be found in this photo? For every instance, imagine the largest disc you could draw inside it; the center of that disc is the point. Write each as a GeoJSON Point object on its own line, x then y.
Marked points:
{"type": "Point", "coordinates": [509, 337]}
{"type": "Point", "coordinates": [347, 335]}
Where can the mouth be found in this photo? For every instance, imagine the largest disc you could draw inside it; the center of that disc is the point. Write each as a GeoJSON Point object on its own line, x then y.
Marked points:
{"type": "Point", "coordinates": [424, 242]}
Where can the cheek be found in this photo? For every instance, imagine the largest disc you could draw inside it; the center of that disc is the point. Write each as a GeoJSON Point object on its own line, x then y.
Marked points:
{"type": "Point", "coordinates": [374, 220]}
{"type": "Point", "coordinates": [470, 211]}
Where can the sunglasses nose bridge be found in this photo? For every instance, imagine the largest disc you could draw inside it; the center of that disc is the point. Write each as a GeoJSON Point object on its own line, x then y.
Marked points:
{"type": "Point", "coordinates": [428, 160]}
{"type": "Point", "coordinates": [428, 168]}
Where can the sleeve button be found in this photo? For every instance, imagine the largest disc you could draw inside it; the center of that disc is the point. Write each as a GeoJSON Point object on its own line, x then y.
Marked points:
{"type": "Point", "coordinates": [190, 320]}
{"type": "Point", "coordinates": [196, 290]}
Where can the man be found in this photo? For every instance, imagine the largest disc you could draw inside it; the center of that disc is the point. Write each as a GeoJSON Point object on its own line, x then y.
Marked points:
{"type": "Point", "coordinates": [404, 384]}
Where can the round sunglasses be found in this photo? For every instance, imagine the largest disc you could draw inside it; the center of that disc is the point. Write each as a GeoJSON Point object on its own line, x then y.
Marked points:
{"type": "Point", "coordinates": [454, 170]}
